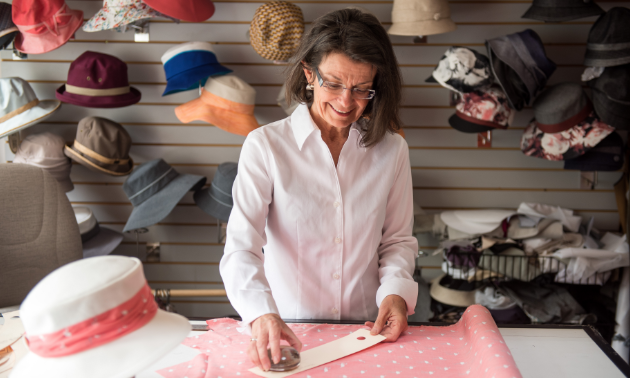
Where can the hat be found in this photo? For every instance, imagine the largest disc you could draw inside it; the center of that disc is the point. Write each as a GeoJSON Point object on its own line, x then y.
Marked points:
{"type": "Point", "coordinates": [8, 30]}
{"type": "Point", "coordinates": [462, 70]}
{"type": "Point", "coordinates": [20, 107]}
{"type": "Point", "coordinates": [475, 221]}
{"type": "Point", "coordinates": [607, 155]}
{"type": "Point", "coordinates": [102, 146]}
{"type": "Point", "coordinates": [154, 189]}
{"type": "Point", "coordinates": [276, 30]}
{"type": "Point", "coordinates": [187, 10]}
{"type": "Point", "coordinates": [421, 17]}
{"type": "Point", "coordinates": [609, 39]}
{"type": "Point", "coordinates": [216, 200]}
{"type": "Point", "coordinates": [282, 101]}
{"type": "Point", "coordinates": [44, 24]}
{"type": "Point", "coordinates": [611, 96]}
{"type": "Point", "coordinates": [482, 110]}
{"type": "Point", "coordinates": [45, 151]}
{"type": "Point", "coordinates": [96, 318]}
{"type": "Point", "coordinates": [453, 292]}
{"type": "Point", "coordinates": [187, 66]}
{"type": "Point", "coordinates": [226, 102]}
{"type": "Point", "coordinates": [562, 10]}
{"type": "Point", "coordinates": [97, 80]}
{"type": "Point", "coordinates": [97, 240]}
{"type": "Point", "coordinates": [520, 66]}
{"type": "Point", "coordinates": [117, 13]}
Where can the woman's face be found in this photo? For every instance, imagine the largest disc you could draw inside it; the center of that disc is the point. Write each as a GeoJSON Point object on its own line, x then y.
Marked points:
{"type": "Point", "coordinates": [340, 110]}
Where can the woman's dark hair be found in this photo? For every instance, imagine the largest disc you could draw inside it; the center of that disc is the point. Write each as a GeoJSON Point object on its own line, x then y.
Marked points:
{"type": "Point", "coordinates": [360, 36]}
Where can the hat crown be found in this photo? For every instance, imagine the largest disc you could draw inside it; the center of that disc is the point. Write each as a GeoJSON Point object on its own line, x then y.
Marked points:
{"type": "Point", "coordinates": [95, 70]}
{"type": "Point", "coordinates": [105, 137]}
{"type": "Point", "coordinates": [419, 10]}
{"type": "Point", "coordinates": [32, 12]}
{"type": "Point", "coordinates": [79, 291]}
{"type": "Point", "coordinates": [232, 88]}
{"type": "Point", "coordinates": [148, 179]}
{"type": "Point", "coordinates": [559, 103]}
{"type": "Point", "coordinates": [186, 47]}
{"type": "Point", "coordinates": [41, 147]}
{"type": "Point", "coordinates": [276, 30]}
{"type": "Point", "coordinates": [490, 105]}
{"type": "Point", "coordinates": [611, 27]}
{"type": "Point", "coordinates": [15, 93]}
{"type": "Point", "coordinates": [225, 176]}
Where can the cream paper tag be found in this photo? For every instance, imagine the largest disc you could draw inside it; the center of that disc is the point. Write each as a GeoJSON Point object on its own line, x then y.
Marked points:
{"type": "Point", "coordinates": [12, 329]}
{"type": "Point", "coordinates": [334, 350]}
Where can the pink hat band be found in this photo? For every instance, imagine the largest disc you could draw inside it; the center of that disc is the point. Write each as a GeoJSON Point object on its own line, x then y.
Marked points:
{"type": "Point", "coordinates": [99, 330]}
{"type": "Point", "coordinates": [61, 18]}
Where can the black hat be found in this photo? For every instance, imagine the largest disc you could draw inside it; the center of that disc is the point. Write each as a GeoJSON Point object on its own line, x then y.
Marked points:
{"type": "Point", "coordinates": [562, 10]}
{"type": "Point", "coordinates": [606, 156]}
{"type": "Point", "coordinates": [611, 96]}
{"type": "Point", "coordinates": [609, 39]}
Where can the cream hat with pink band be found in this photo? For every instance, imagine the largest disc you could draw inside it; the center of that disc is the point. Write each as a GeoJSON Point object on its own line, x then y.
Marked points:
{"type": "Point", "coordinates": [95, 318]}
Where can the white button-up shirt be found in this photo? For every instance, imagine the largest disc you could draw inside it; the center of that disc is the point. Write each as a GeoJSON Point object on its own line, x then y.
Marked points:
{"type": "Point", "coordinates": [337, 240]}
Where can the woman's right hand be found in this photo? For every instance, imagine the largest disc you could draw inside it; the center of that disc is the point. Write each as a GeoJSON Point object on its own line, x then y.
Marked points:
{"type": "Point", "coordinates": [269, 329]}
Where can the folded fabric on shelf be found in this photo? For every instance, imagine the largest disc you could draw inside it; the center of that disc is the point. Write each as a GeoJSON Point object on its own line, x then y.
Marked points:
{"type": "Point", "coordinates": [546, 228]}
{"type": "Point", "coordinates": [570, 221]}
{"type": "Point", "coordinates": [544, 303]}
{"type": "Point", "coordinates": [494, 299]}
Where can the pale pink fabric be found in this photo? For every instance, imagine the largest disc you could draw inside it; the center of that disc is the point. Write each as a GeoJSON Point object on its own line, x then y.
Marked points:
{"type": "Point", "coordinates": [102, 329]}
{"type": "Point", "coordinates": [471, 348]}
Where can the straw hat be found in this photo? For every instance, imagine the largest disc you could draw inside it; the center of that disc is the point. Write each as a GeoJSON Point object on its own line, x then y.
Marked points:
{"type": "Point", "coordinates": [421, 17]}
{"type": "Point", "coordinates": [276, 30]}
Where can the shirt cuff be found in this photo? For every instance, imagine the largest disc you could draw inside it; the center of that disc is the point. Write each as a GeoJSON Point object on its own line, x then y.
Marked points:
{"type": "Point", "coordinates": [258, 303]}
{"type": "Point", "coordinates": [405, 288]}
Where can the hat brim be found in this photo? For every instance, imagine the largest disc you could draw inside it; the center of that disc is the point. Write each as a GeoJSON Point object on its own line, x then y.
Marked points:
{"type": "Point", "coordinates": [34, 115]}
{"type": "Point", "coordinates": [160, 205]}
{"type": "Point", "coordinates": [118, 101]}
{"type": "Point", "coordinates": [197, 12]}
{"type": "Point", "coordinates": [213, 203]}
{"type": "Point", "coordinates": [475, 222]}
{"type": "Point", "coordinates": [103, 243]}
{"type": "Point", "coordinates": [113, 17]}
{"type": "Point", "coordinates": [29, 43]}
{"type": "Point", "coordinates": [232, 122]}
{"type": "Point", "coordinates": [194, 78]}
{"type": "Point", "coordinates": [118, 170]}
{"type": "Point", "coordinates": [122, 358]}
{"type": "Point", "coordinates": [464, 126]}
{"type": "Point", "coordinates": [431, 79]}
{"type": "Point", "coordinates": [428, 27]}
{"type": "Point", "coordinates": [559, 14]}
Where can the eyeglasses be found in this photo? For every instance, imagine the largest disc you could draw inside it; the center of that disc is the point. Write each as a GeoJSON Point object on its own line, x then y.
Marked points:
{"type": "Point", "coordinates": [337, 89]}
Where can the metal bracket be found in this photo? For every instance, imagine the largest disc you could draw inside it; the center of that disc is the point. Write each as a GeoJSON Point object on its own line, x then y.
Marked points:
{"type": "Point", "coordinates": [588, 180]}
{"type": "Point", "coordinates": [18, 55]}
{"type": "Point", "coordinates": [484, 140]}
{"type": "Point", "coordinates": [153, 252]}
{"type": "Point", "coordinates": [141, 32]}
{"type": "Point", "coordinates": [14, 141]}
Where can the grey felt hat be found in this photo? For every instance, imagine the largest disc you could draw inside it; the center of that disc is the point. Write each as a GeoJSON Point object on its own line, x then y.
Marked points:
{"type": "Point", "coordinates": [520, 66]}
{"type": "Point", "coordinates": [96, 240]}
{"type": "Point", "coordinates": [611, 96]}
{"type": "Point", "coordinates": [561, 107]}
{"type": "Point", "coordinates": [609, 39]}
{"type": "Point", "coordinates": [562, 10]}
{"type": "Point", "coordinates": [216, 200]}
{"type": "Point", "coordinates": [154, 189]}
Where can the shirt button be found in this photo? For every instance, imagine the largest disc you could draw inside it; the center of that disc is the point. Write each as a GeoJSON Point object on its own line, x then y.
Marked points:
{"type": "Point", "coordinates": [338, 240]}
{"type": "Point", "coordinates": [335, 311]}
{"type": "Point", "coordinates": [336, 204]}
{"type": "Point", "coordinates": [336, 276]}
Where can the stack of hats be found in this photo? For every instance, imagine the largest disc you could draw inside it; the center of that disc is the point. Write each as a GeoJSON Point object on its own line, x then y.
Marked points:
{"type": "Point", "coordinates": [8, 30]}
{"type": "Point", "coordinates": [481, 105]}
{"type": "Point", "coordinates": [189, 65]}
{"type": "Point", "coordinates": [421, 17]}
{"type": "Point", "coordinates": [276, 30]}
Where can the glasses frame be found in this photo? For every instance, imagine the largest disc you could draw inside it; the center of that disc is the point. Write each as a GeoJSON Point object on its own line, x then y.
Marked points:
{"type": "Point", "coordinates": [324, 84]}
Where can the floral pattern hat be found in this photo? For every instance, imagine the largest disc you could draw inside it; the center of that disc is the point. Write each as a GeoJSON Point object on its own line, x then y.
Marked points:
{"type": "Point", "coordinates": [482, 110]}
{"type": "Point", "coordinates": [565, 127]}
{"type": "Point", "coordinates": [462, 70]}
{"type": "Point", "coordinates": [116, 13]}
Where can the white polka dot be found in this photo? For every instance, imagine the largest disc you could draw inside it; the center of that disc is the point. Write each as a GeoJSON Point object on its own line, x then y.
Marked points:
{"type": "Point", "coordinates": [170, 371]}
{"type": "Point", "coordinates": [428, 338]}
{"type": "Point", "coordinates": [397, 372]}
{"type": "Point", "coordinates": [440, 358]}
{"type": "Point", "coordinates": [419, 351]}
{"type": "Point", "coordinates": [394, 361]}
{"type": "Point", "coordinates": [321, 340]}
{"type": "Point", "coordinates": [445, 368]}
{"type": "Point", "coordinates": [455, 354]}
{"type": "Point", "coordinates": [497, 355]}
{"type": "Point", "coordinates": [376, 355]}
{"type": "Point", "coordinates": [401, 346]}
{"type": "Point", "coordinates": [430, 372]}
{"type": "Point", "coordinates": [342, 365]}
{"type": "Point", "coordinates": [506, 366]}
{"type": "Point", "coordinates": [486, 370]}
{"type": "Point", "coordinates": [194, 346]}
{"type": "Point", "coordinates": [448, 343]}
{"type": "Point", "coordinates": [483, 322]}
{"type": "Point", "coordinates": [461, 363]}
{"type": "Point", "coordinates": [461, 338]}
{"type": "Point", "coordinates": [389, 351]}
{"type": "Point", "coordinates": [415, 342]}
{"type": "Point", "coordinates": [362, 372]}
{"type": "Point", "coordinates": [426, 362]}
{"type": "Point", "coordinates": [189, 366]}
{"type": "Point", "coordinates": [489, 345]}
{"type": "Point", "coordinates": [433, 348]}
{"type": "Point", "coordinates": [378, 365]}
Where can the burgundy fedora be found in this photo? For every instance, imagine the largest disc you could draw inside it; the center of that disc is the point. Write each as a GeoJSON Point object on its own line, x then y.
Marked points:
{"type": "Point", "coordinates": [97, 80]}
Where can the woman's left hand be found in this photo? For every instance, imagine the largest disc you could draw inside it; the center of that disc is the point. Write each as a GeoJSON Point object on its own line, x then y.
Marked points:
{"type": "Point", "coordinates": [392, 318]}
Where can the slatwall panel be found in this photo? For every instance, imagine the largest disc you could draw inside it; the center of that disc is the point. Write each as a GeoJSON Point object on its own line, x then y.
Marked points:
{"type": "Point", "coordinates": [449, 171]}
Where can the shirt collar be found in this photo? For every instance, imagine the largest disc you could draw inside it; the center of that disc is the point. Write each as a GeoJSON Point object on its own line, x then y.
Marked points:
{"type": "Point", "coordinates": [303, 125]}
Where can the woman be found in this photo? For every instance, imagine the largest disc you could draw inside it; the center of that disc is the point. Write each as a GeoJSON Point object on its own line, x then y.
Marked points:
{"type": "Point", "coordinates": [327, 192]}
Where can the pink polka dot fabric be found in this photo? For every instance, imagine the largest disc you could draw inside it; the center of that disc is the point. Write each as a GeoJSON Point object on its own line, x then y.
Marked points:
{"type": "Point", "coordinates": [471, 348]}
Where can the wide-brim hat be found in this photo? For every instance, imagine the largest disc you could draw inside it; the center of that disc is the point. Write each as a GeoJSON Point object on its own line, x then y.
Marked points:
{"type": "Point", "coordinates": [607, 156]}
{"type": "Point", "coordinates": [30, 43]}
{"type": "Point", "coordinates": [96, 240]}
{"type": "Point", "coordinates": [119, 13]}
{"type": "Point", "coordinates": [114, 101]}
{"type": "Point", "coordinates": [89, 161]}
{"type": "Point", "coordinates": [30, 117]}
{"type": "Point", "coordinates": [186, 10]}
{"type": "Point", "coordinates": [427, 27]}
{"type": "Point", "coordinates": [475, 221]}
{"type": "Point", "coordinates": [441, 292]}
{"type": "Point", "coordinates": [562, 10]}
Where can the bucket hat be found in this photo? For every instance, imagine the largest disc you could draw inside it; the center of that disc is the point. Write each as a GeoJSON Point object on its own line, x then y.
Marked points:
{"type": "Point", "coordinates": [45, 151]}
{"type": "Point", "coordinates": [96, 318]}
{"type": "Point", "coordinates": [475, 221]}
{"type": "Point", "coordinates": [421, 17]}
{"type": "Point", "coordinates": [562, 10]}
{"type": "Point", "coordinates": [101, 145]}
{"type": "Point", "coordinates": [216, 200]}
{"type": "Point", "coordinates": [276, 30]}
{"type": "Point", "coordinates": [226, 102]}
{"type": "Point", "coordinates": [97, 80]}
{"type": "Point", "coordinates": [154, 189]}
{"type": "Point", "coordinates": [607, 155]}
{"type": "Point", "coordinates": [20, 106]}
{"type": "Point", "coordinates": [117, 13]}
{"type": "Point", "coordinates": [187, 10]}
{"type": "Point", "coordinates": [188, 66]}
{"type": "Point", "coordinates": [565, 124]}
{"type": "Point", "coordinates": [609, 39]}
{"type": "Point", "coordinates": [462, 70]}
{"type": "Point", "coordinates": [611, 96]}
{"type": "Point", "coordinates": [482, 110]}
{"type": "Point", "coordinates": [97, 240]}
{"type": "Point", "coordinates": [44, 24]}
{"type": "Point", "coordinates": [520, 66]}
{"type": "Point", "coordinates": [8, 30]}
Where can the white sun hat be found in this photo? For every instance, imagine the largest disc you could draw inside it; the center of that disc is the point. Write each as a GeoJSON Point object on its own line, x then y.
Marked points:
{"type": "Point", "coordinates": [475, 221]}
{"type": "Point", "coordinates": [95, 318]}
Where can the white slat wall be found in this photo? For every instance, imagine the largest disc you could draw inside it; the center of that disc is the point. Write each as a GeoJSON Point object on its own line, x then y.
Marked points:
{"type": "Point", "coordinates": [449, 171]}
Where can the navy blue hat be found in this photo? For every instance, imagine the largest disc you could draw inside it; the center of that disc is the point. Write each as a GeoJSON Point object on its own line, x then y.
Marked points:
{"type": "Point", "coordinates": [188, 66]}
{"type": "Point", "coordinates": [607, 155]}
